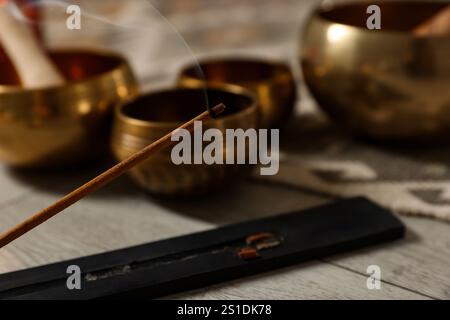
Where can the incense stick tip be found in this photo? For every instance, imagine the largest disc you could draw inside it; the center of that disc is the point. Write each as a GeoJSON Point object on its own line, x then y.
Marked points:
{"type": "Point", "coordinates": [217, 110]}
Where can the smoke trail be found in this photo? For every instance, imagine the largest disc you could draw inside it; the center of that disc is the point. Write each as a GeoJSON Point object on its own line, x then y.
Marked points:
{"type": "Point", "coordinates": [18, 14]}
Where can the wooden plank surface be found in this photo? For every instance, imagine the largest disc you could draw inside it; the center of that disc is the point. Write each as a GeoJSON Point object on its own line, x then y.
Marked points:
{"type": "Point", "coordinates": [313, 280]}
{"type": "Point", "coordinates": [121, 215]}
{"type": "Point", "coordinates": [420, 263]}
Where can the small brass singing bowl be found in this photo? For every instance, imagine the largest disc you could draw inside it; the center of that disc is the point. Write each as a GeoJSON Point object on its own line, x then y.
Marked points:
{"type": "Point", "coordinates": [148, 118]}
{"type": "Point", "coordinates": [66, 125]}
{"type": "Point", "coordinates": [272, 82]}
{"type": "Point", "coordinates": [387, 84]}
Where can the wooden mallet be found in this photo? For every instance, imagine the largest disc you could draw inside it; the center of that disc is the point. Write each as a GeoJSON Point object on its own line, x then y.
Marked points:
{"type": "Point", "coordinates": [33, 66]}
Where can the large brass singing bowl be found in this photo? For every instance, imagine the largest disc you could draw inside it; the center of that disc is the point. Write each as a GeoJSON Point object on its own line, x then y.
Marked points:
{"type": "Point", "coordinates": [384, 84]}
{"type": "Point", "coordinates": [149, 117]}
{"type": "Point", "coordinates": [64, 125]}
{"type": "Point", "coordinates": [272, 82]}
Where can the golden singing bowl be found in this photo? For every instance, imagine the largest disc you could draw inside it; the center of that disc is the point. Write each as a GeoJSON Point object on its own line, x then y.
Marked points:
{"type": "Point", "coordinates": [384, 84]}
{"type": "Point", "coordinates": [149, 117]}
{"type": "Point", "coordinates": [272, 82]}
{"type": "Point", "coordinates": [64, 125]}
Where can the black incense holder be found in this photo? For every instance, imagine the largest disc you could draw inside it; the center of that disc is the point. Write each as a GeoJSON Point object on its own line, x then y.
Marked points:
{"type": "Point", "coordinates": [200, 259]}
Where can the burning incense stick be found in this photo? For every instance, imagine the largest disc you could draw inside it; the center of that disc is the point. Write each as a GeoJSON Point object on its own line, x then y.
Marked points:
{"type": "Point", "coordinates": [102, 179]}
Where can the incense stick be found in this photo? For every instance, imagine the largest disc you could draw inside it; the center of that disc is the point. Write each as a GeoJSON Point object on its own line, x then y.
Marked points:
{"type": "Point", "coordinates": [101, 180]}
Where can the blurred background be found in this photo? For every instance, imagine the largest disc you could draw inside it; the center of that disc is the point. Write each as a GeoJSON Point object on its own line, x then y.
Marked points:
{"type": "Point", "coordinates": [160, 36]}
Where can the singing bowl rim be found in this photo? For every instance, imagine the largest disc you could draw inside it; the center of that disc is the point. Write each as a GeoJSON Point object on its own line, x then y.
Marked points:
{"type": "Point", "coordinates": [317, 14]}
{"type": "Point", "coordinates": [281, 70]}
{"type": "Point", "coordinates": [148, 124]}
{"type": "Point", "coordinates": [121, 65]}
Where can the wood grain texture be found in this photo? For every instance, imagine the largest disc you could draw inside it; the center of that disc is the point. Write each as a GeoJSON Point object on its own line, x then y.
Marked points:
{"type": "Point", "coordinates": [121, 215]}
{"type": "Point", "coordinates": [313, 280]}
{"type": "Point", "coordinates": [421, 262]}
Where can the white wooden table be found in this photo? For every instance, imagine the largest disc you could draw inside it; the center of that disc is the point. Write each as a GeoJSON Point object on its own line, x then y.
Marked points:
{"type": "Point", "coordinates": [121, 215]}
